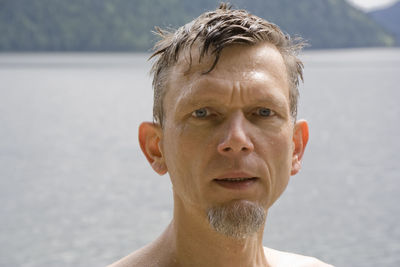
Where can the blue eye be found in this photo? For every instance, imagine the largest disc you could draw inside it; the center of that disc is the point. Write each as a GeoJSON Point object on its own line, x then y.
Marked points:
{"type": "Point", "coordinates": [200, 113]}
{"type": "Point", "coordinates": [264, 112]}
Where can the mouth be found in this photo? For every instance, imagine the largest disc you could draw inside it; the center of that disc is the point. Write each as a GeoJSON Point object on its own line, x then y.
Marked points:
{"type": "Point", "coordinates": [237, 183]}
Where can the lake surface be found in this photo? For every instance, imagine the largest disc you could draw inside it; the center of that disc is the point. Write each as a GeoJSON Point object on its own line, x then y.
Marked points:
{"type": "Point", "coordinates": [76, 191]}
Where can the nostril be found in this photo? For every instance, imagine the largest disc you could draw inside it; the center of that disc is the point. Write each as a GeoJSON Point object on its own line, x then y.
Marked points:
{"type": "Point", "coordinates": [228, 149]}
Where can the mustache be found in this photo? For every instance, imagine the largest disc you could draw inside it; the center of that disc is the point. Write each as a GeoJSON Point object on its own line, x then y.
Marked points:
{"type": "Point", "coordinates": [221, 165]}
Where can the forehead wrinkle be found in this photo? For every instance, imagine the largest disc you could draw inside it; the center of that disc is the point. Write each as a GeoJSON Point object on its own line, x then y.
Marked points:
{"type": "Point", "coordinates": [199, 91]}
{"type": "Point", "coordinates": [236, 88]}
{"type": "Point", "coordinates": [269, 95]}
{"type": "Point", "coordinates": [185, 97]}
{"type": "Point", "coordinates": [214, 89]}
{"type": "Point", "coordinates": [263, 80]}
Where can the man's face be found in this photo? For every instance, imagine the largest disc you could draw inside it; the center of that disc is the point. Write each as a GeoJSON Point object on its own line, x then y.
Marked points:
{"type": "Point", "coordinates": [228, 134]}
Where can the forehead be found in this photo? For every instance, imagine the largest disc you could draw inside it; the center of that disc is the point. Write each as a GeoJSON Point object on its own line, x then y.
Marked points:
{"type": "Point", "coordinates": [260, 66]}
{"type": "Point", "coordinates": [259, 53]}
{"type": "Point", "coordinates": [238, 59]}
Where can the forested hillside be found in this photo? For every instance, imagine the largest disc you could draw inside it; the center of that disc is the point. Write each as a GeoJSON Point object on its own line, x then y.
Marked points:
{"type": "Point", "coordinates": [389, 18]}
{"type": "Point", "coordinates": [126, 25]}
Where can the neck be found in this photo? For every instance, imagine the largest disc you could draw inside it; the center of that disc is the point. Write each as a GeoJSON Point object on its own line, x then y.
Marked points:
{"type": "Point", "coordinates": [193, 242]}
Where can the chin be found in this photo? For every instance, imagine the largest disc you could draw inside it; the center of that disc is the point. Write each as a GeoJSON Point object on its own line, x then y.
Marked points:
{"type": "Point", "coordinates": [238, 218]}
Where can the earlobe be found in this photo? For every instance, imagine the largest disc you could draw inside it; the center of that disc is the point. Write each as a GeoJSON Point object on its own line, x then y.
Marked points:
{"type": "Point", "coordinates": [300, 139]}
{"type": "Point", "coordinates": [149, 139]}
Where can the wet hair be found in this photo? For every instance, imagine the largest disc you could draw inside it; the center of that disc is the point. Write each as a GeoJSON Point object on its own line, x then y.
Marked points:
{"type": "Point", "coordinates": [213, 31]}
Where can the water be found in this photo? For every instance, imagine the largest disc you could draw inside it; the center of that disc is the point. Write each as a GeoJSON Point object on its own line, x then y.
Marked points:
{"type": "Point", "coordinates": [76, 191]}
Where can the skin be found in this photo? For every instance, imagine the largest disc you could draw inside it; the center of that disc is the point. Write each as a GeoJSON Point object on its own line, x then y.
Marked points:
{"type": "Point", "coordinates": [232, 122]}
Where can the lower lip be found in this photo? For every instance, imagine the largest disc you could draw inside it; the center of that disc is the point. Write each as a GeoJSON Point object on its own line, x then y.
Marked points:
{"type": "Point", "coordinates": [238, 185]}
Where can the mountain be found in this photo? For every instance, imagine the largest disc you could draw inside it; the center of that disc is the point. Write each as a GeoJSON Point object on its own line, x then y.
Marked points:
{"type": "Point", "coordinates": [324, 23]}
{"type": "Point", "coordinates": [389, 18]}
{"type": "Point", "coordinates": [126, 25]}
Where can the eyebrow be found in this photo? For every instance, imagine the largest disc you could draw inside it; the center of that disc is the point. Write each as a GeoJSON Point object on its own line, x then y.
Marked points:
{"type": "Point", "coordinates": [205, 93]}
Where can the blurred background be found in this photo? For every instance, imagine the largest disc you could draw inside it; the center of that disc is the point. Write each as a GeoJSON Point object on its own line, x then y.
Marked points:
{"type": "Point", "coordinates": [75, 189]}
{"type": "Point", "coordinates": [126, 25]}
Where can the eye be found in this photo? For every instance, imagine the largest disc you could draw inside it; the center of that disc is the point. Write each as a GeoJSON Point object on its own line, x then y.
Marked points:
{"type": "Point", "coordinates": [264, 112]}
{"type": "Point", "coordinates": [200, 113]}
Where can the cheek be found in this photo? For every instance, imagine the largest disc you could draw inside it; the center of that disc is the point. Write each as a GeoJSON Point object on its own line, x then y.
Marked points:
{"type": "Point", "coordinates": [175, 152]}
{"type": "Point", "coordinates": [277, 146]}
{"type": "Point", "coordinates": [279, 163]}
{"type": "Point", "coordinates": [183, 156]}
{"type": "Point", "coordinates": [283, 152]}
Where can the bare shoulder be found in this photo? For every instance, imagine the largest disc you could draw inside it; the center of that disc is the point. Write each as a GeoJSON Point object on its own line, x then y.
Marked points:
{"type": "Point", "coordinates": [142, 257]}
{"type": "Point", "coordinates": [286, 259]}
{"type": "Point", "coordinates": [136, 258]}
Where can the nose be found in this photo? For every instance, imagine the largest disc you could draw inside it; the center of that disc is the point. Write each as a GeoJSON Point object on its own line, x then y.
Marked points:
{"type": "Point", "coordinates": [236, 139]}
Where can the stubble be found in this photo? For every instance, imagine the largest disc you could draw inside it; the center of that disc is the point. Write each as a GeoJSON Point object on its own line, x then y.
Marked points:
{"type": "Point", "coordinates": [238, 219]}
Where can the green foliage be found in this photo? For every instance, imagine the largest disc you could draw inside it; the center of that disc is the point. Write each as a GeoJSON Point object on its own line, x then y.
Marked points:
{"type": "Point", "coordinates": [126, 25]}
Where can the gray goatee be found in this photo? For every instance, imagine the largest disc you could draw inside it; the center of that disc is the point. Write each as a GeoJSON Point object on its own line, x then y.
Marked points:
{"type": "Point", "coordinates": [238, 219]}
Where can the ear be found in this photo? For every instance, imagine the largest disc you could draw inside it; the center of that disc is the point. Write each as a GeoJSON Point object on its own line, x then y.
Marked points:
{"type": "Point", "coordinates": [300, 139]}
{"type": "Point", "coordinates": [150, 135]}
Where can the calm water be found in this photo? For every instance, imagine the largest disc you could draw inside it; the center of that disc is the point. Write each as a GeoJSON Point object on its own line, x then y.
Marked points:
{"type": "Point", "coordinates": [76, 191]}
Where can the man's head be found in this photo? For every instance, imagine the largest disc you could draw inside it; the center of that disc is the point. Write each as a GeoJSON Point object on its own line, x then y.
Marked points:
{"type": "Point", "coordinates": [209, 34]}
{"type": "Point", "coordinates": [228, 138]}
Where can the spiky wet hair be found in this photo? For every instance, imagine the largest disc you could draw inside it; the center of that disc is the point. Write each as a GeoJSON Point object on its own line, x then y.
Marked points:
{"type": "Point", "coordinates": [213, 31]}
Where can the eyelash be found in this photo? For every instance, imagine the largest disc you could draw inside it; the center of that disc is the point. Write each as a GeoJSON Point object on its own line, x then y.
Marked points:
{"type": "Point", "coordinates": [207, 113]}
{"type": "Point", "coordinates": [270, 112]}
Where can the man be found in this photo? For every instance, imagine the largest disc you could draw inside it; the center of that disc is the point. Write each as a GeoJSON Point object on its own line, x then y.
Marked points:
{"type": "Point", "coordinates": [225, 129]}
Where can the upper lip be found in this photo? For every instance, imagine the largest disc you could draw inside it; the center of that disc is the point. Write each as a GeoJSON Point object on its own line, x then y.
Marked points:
{"type": "Point", "coordinates": [235, 175]}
